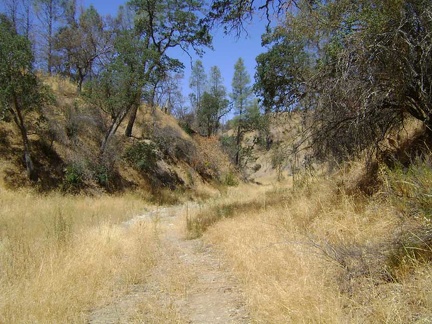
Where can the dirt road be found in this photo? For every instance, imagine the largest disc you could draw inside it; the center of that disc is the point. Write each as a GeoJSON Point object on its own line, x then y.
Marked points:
{"type": "Point", "coordinates": [190, 282]}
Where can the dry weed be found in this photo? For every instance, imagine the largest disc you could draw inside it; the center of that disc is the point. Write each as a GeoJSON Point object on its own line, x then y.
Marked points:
{"type": "Point", "coordinates": [63, 256]}
{"type": "Point", "coordinates": [318, 254]}
{"type": "Point", "coordinates": [283, 280]}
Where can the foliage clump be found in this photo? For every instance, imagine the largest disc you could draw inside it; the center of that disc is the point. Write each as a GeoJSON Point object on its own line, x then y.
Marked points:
{"type": "Point", "coordinates": [142, 156]}
{"type": "Point", "coordinates": [359, 69]}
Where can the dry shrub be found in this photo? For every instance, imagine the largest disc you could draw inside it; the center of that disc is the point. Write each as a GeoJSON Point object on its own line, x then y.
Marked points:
{"type": "Point", "coordinates": [189, 157]}
{"type": "Point", "coordinates": [61, 256]}
{"type": "Point", "coordinates": [409, 189]}
{"type": "Point", "coordinates": [405, 146]}
{"type": "Point", "coordinates": [172, 144]}
{"type": "Point", "coordinates": [203, 154]}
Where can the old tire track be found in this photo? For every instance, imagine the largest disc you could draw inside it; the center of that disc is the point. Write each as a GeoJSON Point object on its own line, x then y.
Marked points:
{"type": "Point", "coordinates": [190, 283]}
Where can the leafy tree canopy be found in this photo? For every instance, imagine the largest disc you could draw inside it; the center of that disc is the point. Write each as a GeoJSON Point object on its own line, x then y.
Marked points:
{"type": "Point", "coordinates": [19, 90]}
{"type": "Point", "coordinates": [360, 67]}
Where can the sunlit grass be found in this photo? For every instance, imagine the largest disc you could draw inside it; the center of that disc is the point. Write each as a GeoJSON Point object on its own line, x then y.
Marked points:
{"type": "Point", "coordinates": [62, 256]}
{"type": "Point", "coordinates": [318, 254]}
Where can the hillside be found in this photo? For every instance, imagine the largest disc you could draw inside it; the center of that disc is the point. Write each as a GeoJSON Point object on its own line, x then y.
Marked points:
{"type": "Point", "coordinates": [286, 152]}
{"type": "Point", "coordinates": [66, 135]}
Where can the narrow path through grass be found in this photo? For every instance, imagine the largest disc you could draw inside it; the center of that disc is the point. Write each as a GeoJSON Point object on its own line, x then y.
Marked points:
{"type": "Point", "coordinates": [189, 284]}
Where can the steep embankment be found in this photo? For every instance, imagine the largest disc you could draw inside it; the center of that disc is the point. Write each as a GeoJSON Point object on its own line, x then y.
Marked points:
{"type": "Point", "coordinates": [66, 137]}
{"type": "Point", "coordinates": [280, 152]}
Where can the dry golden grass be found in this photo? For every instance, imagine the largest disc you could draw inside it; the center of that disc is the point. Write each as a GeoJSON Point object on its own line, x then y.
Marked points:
{"type": "Point", "coordinates": [228, 204]}
{"type": "Point", "coordinates": [283, 280]}
{"type": "Point", "coordinates": [60, 85]}
{"type": "Point", "coordinates": [62, 256]}
{"type": "Point", "coordinates": [317, 254]}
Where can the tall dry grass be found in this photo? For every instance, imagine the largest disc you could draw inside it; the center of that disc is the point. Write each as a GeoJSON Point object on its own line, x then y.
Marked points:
{"type": "Point", "coordinates": [62, 256]}
{"type": "Point", "coordinates": [227, 204]}
{"type": "Point", "coordinates": [318, 254]}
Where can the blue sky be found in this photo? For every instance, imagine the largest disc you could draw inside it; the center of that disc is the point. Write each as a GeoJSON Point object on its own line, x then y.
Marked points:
{"type": "Point", "coordinates": [227, 48]}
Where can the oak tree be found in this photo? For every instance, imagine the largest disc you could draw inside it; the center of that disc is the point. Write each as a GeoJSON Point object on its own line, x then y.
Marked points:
{"type": "Point", "coordinates": [20, 90]}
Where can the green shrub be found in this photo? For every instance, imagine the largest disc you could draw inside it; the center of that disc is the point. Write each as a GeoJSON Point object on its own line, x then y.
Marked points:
{"type": "Point", "coordinates": [230, 180]}
{"type": "Point", "coordinates": [101, 174]}
{"type": "Point", "coordinates": [74, 176]}
{"type": "Point", "coordinates": [229, 146]}
{"type": "Point", "coordinates": [410, 249]}
{"type": "Point", "coordinates": [409, 189]}
{"type": "Point", "coordinates": [142, 156]}
{"type": "Point", "coordinates": [186, 127]}
{"type": "Point", "coordinates": [72, 122]}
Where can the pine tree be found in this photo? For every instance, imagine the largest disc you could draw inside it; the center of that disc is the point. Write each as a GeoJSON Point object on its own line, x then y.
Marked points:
{"type": "Point", "coordinates": [197, 83]}
{"type": "Point", "coordinates": [213, 104]}
{"type": "Point", "coordinates": [241, 96]}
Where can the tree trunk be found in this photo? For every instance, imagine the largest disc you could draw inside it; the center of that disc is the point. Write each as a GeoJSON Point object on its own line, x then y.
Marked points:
{"type": "Point", "coordinates": [50, 38]}
{"type": "Point", "coordinates": [112, 130]}
{"type": "Point", "coordinates": [238, 142]}
{"type": "Point", "coordinates": [239, 135]}
{"type": "Point", "coordinates": [27, 19]}
{"type": "Point", "coordinates": [81, 77]}
{"type": "Point", "coordinates": [428, 129]}
{"type": "Point", "coordinates": [131, 121]}
{"type": "Point", "coordinates": [49, 67]}
{"type": "Point", "coordinates": [19, 121]}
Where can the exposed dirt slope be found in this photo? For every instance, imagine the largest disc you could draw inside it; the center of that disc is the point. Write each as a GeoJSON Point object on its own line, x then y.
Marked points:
{"type": "Point", "coordinates": [66, 136]}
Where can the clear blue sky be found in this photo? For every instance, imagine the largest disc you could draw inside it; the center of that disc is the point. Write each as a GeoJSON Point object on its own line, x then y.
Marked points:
{"type": "Point", "coordinates": [227, 48]}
